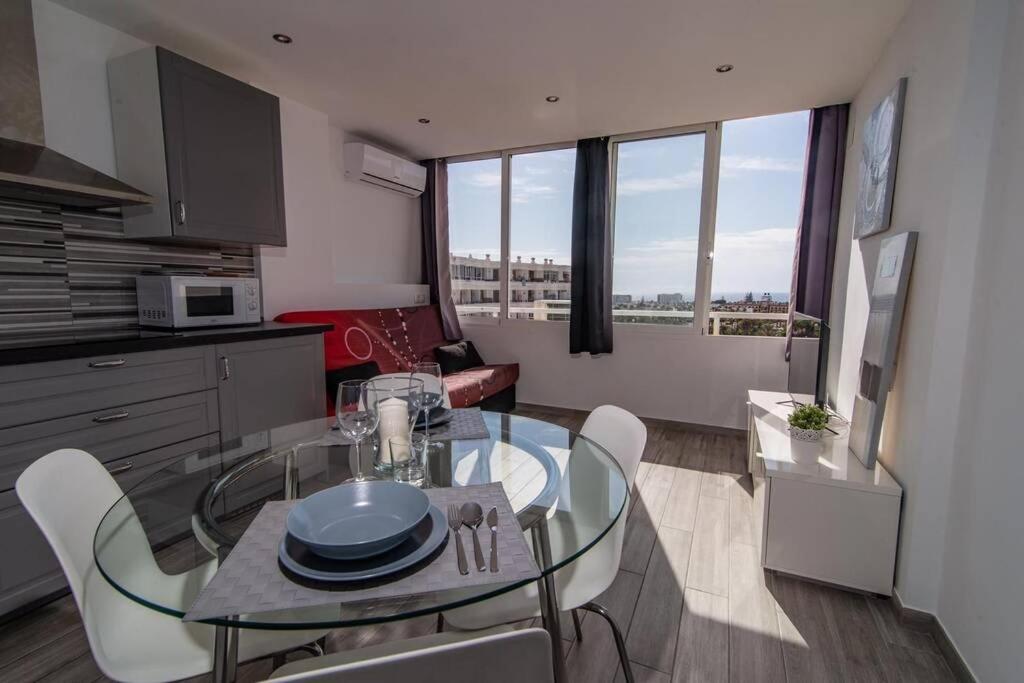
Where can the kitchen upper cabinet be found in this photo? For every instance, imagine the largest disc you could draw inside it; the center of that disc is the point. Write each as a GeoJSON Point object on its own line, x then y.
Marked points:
{"type": "Point", "coordinates": [206, 146]}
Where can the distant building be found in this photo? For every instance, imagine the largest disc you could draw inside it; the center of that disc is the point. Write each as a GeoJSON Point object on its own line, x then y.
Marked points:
{"type": "Point", "coordinates": [477, 280]}
{"type": "Point", "coordinates": [620, 299]}
{"type": "Point", "coordinates": [670, 299]}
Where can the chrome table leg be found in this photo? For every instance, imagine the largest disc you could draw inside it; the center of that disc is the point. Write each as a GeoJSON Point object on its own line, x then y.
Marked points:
{"type": "Point", "coordinates": [225, 654]}
{"type": "Point", "coordinates": [291, 474]}
{"type": "Point", "coordinates": [549, 598]}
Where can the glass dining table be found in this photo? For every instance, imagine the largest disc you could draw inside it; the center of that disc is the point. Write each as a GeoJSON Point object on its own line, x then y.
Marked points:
{"type": "Point", "coordinates": [566, 491]}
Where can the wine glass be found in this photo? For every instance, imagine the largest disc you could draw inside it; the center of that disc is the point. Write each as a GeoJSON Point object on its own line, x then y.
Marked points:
{"type": "Point", "coordinates": [433, 392]}
{"type": "Point", "coordinates": [396, 401]}
{"type": "Point", "coordinates": [355, 419]}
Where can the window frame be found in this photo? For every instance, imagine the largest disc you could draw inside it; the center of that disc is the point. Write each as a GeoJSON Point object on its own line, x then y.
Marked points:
{"type": "Point", "coordinates": [505, 259]}
{"type": "Point", "coordinates": [705, 221]}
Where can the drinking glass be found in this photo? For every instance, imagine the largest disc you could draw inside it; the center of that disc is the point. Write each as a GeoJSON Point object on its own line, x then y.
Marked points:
{"type": "Point", "coordinates": [408, 459]}
{"type": "Point", "coordinates": [433, 392]}
{"type": "Point", "coordinates": [355, 419]}
{"type": "Point", "coordinates": [396, 401]}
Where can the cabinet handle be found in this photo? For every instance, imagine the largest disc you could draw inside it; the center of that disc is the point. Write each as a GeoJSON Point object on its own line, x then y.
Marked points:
{"type": "Point", "coordinates": [111, 417]}
{"type": "Point", "coordinates": [121, 469]}
{"type": "Point", "coordinates": [227, 368]}
{"type": "Point", "coordinates": [179, 209]}
{"type": "Point", "coordinates": [107, 363]}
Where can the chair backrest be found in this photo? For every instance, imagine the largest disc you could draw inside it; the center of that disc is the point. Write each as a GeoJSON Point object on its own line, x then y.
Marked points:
{"type": "Point", "coordinates": [510, 657]}
{"type": "Point", "coordinates": [620, 433]}
{"type": "Point", "coordinates": [67, 493]}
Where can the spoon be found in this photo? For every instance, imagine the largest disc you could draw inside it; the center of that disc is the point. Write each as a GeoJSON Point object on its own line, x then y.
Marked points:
{"type": "Point", "coordinates": [472, 516]}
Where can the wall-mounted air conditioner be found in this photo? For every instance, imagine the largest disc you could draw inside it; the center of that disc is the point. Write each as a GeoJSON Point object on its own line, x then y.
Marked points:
{"type": "Point", "coordinates": [369, 164]}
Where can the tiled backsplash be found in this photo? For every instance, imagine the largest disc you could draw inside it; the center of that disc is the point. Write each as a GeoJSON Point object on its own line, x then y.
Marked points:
{"type": "Point", "coordinates": [67, 275]}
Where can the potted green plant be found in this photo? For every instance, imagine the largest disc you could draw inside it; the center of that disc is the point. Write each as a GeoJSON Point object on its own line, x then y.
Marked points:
{"type": "Point", "coordinates": [807, 423]}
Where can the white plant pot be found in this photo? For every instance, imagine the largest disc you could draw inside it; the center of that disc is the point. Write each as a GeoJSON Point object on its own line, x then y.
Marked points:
{"type": "Point", "coordinates": [805, 434]}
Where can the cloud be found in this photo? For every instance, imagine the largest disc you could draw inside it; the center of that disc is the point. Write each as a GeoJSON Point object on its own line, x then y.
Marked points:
{"type": "Point", "coordinates": [732, 164]}
{"type": "Point", "coordinates": [484, 179]}
{"type": "Point", "coordinates": [680, 181]}
{"type": "Point", "coordinates": [525, 190]}
{"type": "Point", "coordinates": [756, 260]}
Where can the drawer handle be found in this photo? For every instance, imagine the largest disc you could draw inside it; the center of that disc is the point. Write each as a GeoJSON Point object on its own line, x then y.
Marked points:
{"type": "Point", "coordinates": [226, 362]}
{"type": "Point", "coordinates": [121, 469]}
{"type": "Point", "coordinates": [107, 363]}
{"type": "Point", "coordinates": [112, 417]}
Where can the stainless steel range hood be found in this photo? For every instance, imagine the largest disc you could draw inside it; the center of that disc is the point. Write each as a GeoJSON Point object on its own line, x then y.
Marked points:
{"type": "Point", "coordinates": [30, 171]}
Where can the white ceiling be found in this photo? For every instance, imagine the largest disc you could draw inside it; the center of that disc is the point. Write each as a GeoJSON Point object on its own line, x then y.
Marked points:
{"type": "Point", "coordinates": [480, 69]}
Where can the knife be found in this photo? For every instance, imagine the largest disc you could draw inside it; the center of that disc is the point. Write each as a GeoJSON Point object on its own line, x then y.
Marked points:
{"type": "Point", "coordinates": [492, 522]}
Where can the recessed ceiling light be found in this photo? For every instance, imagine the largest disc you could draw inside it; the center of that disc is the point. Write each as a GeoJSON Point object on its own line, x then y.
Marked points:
{"type": "Point", "coordinates": [282, 38]}
{"type": "Point", "coordinates": [552, 98]}
{"type": "Point", "coordinates": [423, 120]}
{"type": "Point", "coordinates": [723, 68]}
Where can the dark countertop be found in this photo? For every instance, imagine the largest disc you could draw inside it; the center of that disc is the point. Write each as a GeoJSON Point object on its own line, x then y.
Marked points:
{"type": "Point", "coordinates": [134, 341]}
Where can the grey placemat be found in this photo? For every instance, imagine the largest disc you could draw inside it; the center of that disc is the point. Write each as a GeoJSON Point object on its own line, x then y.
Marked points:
{"type": "Point", "coordinates": [466, 423]}
{"type": "Point", "coordinates": [251, 580]}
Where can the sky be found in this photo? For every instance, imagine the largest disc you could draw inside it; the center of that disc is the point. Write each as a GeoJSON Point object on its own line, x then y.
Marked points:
{"type": "Point", "coordinates": [658, 186]}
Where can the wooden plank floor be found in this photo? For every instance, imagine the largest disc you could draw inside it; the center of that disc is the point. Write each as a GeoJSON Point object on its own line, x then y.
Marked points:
{"type": "Point", "coordinates": [690, 596]}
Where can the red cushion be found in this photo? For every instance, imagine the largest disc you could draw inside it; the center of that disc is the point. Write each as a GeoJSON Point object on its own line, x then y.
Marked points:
{"type": "Point", "coordinates": [396, 338]}
{"type": "Point", "coordinates": [469, 387]}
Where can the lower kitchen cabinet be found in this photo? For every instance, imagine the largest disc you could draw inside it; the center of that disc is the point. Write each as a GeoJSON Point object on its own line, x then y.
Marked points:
{"type": "Point", "coordinates": [154, 419]}
{"type": "Point", "coordinates": [269, 383]}
{"type": "Point", "coordinates": [28, 567]}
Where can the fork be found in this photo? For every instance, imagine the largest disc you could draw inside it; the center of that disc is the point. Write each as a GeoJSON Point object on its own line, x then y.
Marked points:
{"type": "Point", "coordinates": [455, 523]}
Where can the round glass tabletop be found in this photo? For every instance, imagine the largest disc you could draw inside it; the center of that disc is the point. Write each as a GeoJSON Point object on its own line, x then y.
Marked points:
{"type": "Point", "coordinates": [160, 543]}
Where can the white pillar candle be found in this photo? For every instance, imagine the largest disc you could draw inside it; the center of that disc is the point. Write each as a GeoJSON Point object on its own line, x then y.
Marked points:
{"type": "Point", "coordinates": [394, 421]}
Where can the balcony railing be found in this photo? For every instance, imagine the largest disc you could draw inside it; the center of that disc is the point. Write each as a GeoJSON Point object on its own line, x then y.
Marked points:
{"type": "Point", "coordinates": [549, 309]}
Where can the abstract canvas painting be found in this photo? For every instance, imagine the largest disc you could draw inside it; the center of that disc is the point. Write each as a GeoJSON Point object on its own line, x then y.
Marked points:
{"type": "Point", "coordinates": [879, 150]}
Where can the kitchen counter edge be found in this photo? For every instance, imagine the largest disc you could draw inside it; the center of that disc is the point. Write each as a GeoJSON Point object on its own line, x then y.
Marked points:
{"type": "Point", "coordinates": [181, 339]}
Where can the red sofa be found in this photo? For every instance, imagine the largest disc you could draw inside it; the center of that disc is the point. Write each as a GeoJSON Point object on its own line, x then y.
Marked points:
{"type": "Point", "coordinates": [394, 339]}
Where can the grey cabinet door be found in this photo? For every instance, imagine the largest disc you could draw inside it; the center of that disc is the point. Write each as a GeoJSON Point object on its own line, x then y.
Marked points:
{"type": "Point", "coordinates": [28, 568]}
{"type": "Point", "coordinates": [223, 148]}
{"type": "Point", "coordinates": [111, 433]}
{"type": "Point", "coordinates": [269, 383]}
{"type": "Point", "coordinates": [42, 391]}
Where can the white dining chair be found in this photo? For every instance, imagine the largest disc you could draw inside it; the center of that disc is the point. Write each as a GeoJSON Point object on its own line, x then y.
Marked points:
{"type": "Point", "coordinates": [67, 493]}
{"type": "Point", "coordinates": [578, 584]}
{"type": "Point", "coordinates": [498, 656]}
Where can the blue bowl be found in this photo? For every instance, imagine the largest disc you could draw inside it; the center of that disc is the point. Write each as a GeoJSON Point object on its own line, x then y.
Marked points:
{"type": "Point", "coordinates": [357, 520]}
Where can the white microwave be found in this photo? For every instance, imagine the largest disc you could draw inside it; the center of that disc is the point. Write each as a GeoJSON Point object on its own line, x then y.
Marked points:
{"type": "Point", "coordinates": [180, 301]}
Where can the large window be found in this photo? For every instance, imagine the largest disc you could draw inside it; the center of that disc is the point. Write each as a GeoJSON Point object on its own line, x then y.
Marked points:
{"type": "Point", "coordinates": [540, 234]}
{"type": "Point", "coordinates": [760, 183]}
{"type": "Point", "coordinates": [658, 190]}
{"type": "Point", "coordinates": [474, 236]}
{"type": "Point", "coordinates": [704, 220]}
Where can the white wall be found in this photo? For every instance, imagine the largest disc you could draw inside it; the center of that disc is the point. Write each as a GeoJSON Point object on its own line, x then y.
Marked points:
{"type": "Point", "coordinates": [952, 52]}
{"type": "Point", "coordinates": [980, 599]}
{"type": "Point", "coordinates": [349, 246]}
{"type": "Point", "coordinates": [687, 378]}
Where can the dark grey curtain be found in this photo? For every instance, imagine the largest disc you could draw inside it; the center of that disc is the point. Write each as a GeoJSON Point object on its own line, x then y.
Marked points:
{"type": "Point", "coordinates": [436, 258]}
{"type": "Point", "coordinates": [590, 319]}
{"type": "Point", "coordinates": [814, 255]}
